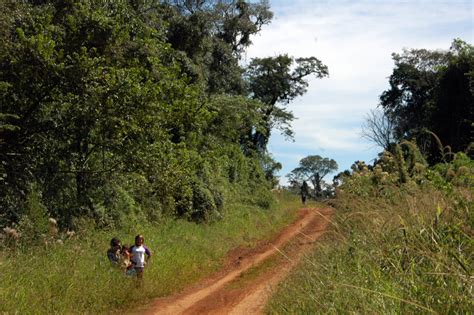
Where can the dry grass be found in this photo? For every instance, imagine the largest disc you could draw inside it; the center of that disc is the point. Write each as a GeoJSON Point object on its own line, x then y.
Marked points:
{"type": "Point", "coordinates": [410, 252]}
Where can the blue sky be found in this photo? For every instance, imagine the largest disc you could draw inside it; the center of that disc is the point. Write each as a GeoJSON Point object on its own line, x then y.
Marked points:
{"type": "Point", "coordinates": [355, 39]}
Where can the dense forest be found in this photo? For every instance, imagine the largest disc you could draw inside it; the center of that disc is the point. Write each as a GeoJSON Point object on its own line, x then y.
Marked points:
{"type": "Point", "coordinates": [131, 110]}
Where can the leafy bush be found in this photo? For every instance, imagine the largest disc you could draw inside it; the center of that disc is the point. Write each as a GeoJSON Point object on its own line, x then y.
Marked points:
{"type": "Point", "coordinates": [33, 225]}
{"type": "Point", "coordinates": [203, 204]}
{"type": "Point", "coordinates": [113, 121]}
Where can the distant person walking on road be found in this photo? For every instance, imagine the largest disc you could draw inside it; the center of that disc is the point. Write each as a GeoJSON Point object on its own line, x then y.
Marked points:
{"type": "Point", "coordinates": [304, 190]}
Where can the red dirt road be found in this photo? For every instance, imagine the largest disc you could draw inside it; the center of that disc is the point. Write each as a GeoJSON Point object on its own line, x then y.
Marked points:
{"type": "Point", "coordinates": [232, 291]}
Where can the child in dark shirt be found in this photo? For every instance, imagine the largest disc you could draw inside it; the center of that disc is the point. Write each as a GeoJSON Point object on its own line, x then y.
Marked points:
{"type": "Point", "coordinates": [114, 251]}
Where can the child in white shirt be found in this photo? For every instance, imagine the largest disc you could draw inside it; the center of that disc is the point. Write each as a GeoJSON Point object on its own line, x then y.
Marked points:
{"type": "Point", "coordinates": [140, 255]}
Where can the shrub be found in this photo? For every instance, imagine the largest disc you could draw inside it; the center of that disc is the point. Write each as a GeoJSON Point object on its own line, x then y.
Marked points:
{"type": "Point", "coordinates": [203, 205]}
{"type": "Point", "coordinates": [33, 225]}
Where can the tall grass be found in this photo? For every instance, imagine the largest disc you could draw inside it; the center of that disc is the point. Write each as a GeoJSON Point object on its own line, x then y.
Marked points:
{"type": "Point", "coordinates": [75, 277]}
{"type": "Point", "coordinates": [406, 249]}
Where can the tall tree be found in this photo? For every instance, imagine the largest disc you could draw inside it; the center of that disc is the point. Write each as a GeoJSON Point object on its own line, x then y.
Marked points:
{"type": "Point", "coordinates": [120, 107]}
{"type": "Point", "coordinates": [213, 35]}
{"type": "Point", "coordinates": [276, 81]}
{"type": "Point", "coordinates": [313, 168]}
{"type": "Point", "coordinates": [432, 90]}
{"type": "Point", "coordinates": [453, 116]}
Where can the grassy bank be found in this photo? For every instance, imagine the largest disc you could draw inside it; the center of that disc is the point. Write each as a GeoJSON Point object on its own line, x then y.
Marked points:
{"type": "Point", "coordinates": [392, 250]}
{"type": "Point", "coordinates": [75, 277]}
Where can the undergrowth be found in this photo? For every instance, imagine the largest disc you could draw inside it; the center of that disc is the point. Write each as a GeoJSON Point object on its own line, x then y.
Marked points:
{"type": "Point", "coordinates": [76, 277]}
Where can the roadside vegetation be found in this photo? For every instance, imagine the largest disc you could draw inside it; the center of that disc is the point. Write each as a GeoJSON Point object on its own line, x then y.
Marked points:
{"type": "Point", "coordinates": [401, 241]}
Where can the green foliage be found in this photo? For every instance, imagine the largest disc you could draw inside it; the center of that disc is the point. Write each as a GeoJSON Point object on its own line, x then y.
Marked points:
{"type": "Point", "coordinates": [407, 166]}
{"type": "Point", "coordinates": [270, 167]}
{"type": "Point", "coordinates": [86, 101]}
{"type": "Point", "coordinates": [213, 36]}
{"type": "Point", "coordinates": [129, 111]}
{"type": "Point", "coordinates": [460, 172]}
{"type": "Point", "coordinates": [33, 225]}
{"type": "Point", "coordinates": [432, 90]}
{"type": "Point", "coordinates": [203, 205]}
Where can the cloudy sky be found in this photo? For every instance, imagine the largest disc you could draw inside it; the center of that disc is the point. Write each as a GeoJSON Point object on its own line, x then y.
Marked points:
{"type": "Point", "coordinates": [355, 39]}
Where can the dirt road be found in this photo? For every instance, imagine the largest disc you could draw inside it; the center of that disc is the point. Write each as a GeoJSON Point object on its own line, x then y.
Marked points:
{"type": "Point", "coordinates": [246, 282]}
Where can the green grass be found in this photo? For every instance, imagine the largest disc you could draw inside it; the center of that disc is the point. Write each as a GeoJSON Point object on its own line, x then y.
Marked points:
{"type": "Point", "coordinates": [77, 278]}
{"type": "Point", "coordinates": [408, 250]}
